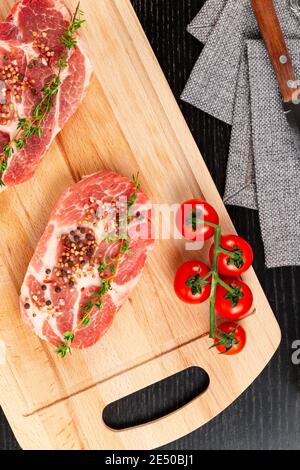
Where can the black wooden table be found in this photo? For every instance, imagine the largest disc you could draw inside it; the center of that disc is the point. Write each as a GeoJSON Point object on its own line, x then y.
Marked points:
{"type": "Point", "coordinates": [267, 415]}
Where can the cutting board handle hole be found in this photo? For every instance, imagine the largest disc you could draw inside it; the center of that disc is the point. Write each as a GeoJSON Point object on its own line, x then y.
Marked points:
{"type": "Point", "coordinates": [156, 400]}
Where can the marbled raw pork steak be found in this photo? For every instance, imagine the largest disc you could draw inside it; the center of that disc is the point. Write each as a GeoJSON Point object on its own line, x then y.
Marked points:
{"type": "Point", "coordinates": [29, 49]}
{"type": "Point", "coordinates": [64, 272]}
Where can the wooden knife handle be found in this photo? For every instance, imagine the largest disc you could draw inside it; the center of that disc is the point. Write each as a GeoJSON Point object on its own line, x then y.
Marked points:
{"type": "Point", "coordinates": [272, 34]}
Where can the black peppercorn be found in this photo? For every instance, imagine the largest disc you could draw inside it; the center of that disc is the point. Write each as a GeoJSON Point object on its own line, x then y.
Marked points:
{"type": "Point", "coordinates": [27, 306]}
{"type": "Point", "coordinates": [48, 303]}
{"type": "Point", "coordinates": [44, 287]}
{"type": "Point", "coordinates": [57, 290]}
{"type": "Point", "coordinates": [48, 271]}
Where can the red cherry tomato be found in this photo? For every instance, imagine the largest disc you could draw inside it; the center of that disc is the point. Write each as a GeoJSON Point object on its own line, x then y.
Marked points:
{"type": "Point", "coordinates": [236, 305]}
{"type": "Point", "coordinates": [239, 261]}
{"type": "Point", "coordinates": [232, 338]}
{"type": "Point", "coordinates": [189, 285]}
{"type": "Point", "coordinates": [189, 217]}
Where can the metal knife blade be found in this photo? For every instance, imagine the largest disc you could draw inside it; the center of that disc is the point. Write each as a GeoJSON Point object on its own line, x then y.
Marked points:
{"type": "Point", "coordinates": [292, 113]}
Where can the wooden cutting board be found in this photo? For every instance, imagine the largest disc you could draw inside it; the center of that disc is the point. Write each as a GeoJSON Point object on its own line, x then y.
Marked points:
{"type": "Point", "coordinates": [129, 121]}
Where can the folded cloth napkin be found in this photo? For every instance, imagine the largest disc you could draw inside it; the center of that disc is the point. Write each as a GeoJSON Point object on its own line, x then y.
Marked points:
{"type": "Point", "coordinates": [206, 19]}
{"type": "Point", "coordinates": [220, 86]}
{"type": "Point", "coordinates": [277, 161]}
{"type": "Point", "coordinates": [224, 59]}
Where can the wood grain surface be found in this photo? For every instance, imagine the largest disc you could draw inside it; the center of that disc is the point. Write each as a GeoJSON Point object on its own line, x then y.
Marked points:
{"type": "Point", "coordinates": [265, 405]}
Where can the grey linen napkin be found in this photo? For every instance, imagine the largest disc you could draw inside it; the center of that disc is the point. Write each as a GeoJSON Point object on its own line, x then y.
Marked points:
{"type": "Point", "coordinates": [219, 83]}
{"type": "Point", "coordinates": [220, 86]}
{"type": "Point", "coordinates": [277, 162]}
{"type": "Point", "coordinates": [213, 82]}
{"type": "Point", "coordinates": [204, 22]}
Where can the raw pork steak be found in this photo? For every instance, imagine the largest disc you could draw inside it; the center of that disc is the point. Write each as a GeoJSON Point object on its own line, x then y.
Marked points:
{"type": "Point", "coordinates": [64, 272]}
{"type": "Point", "coordinates": [29, 49]}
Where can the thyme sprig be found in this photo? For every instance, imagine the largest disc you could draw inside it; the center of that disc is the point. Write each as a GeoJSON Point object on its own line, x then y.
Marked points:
{"type": "Point", "coordinates": [110, 265]}
{"type": "Point", "coordinates": [29, 127]}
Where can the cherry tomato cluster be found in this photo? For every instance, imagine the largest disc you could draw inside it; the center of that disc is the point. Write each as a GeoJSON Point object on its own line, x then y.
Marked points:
{"type": "Point", "coordinates": [195, 282]}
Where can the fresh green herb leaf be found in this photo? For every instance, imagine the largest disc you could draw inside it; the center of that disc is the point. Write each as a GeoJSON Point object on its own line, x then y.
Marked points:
{"type": "Point", "coordinates": [135, 179]}
{"type": "Point", "coordinates": [63, 349]}
{"type": "Point", "coordinates": [62, 61]}
{"type": "Point", "coordinates": [8, 150]}
{"type": "Point", "coordinates": [69, 336]}
{"type": "Point", "coordinates": [125, 247]}
{"type": "Point", "coordinates": [3, 166]}
{"type": "Point", "coordinates": [132, 200]}
{"type": "Point", "coordinates": [112, 269]}
{"type": "Point", "coordinates": [105, 287]}
{"type": "Point", "coordinates": [102, 267]}
{"type": "Point", "coordinates": [133, 197]}
{"type": "Point", "coordinates": [85, 321]}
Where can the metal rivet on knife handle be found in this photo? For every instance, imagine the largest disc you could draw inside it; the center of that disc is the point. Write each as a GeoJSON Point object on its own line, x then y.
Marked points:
{"type": "Point", "coordinates": [283, 59]}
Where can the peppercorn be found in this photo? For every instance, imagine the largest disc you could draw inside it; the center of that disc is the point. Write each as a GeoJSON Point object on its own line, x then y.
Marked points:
{"type": "Point", "coordinates": [48, 303]}
{"type": "Point", "coordinates": [44, 287]}
{"type": "Point", "coordinates": [48, 271]}
{"type": "Point", "coordinates": [57, 290]}
{"type": "Point", "coordinates": [27, 306]}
